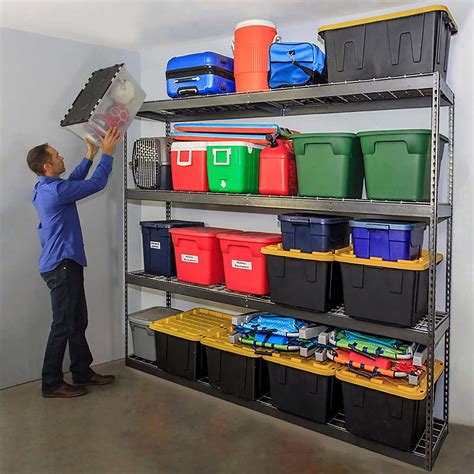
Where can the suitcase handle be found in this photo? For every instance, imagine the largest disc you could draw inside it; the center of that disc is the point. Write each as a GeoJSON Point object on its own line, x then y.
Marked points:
{"type": "Point", "coordinates": [182, 162]}
{"type": "Point", "coordinates": [188, 91]}
{"type": "Point", "coordinates": [228, 152]}
{"type": "Point", "coordinates": [187, 79]}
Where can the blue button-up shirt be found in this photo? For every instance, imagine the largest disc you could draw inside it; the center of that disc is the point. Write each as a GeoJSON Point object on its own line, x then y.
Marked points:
{"type": "Point", "coordinates": [55, 202]}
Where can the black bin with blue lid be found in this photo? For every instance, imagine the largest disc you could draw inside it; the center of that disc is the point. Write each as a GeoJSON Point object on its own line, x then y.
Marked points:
{"type": "Point", "coordinates": [158, 250]}
{"type": "Point", "coordinates": [388, 240]}
{"type": "Point", "coordinates": [314, 233]}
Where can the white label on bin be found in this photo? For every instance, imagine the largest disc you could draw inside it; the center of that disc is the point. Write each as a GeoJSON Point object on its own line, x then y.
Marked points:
{"type": "Point", "coordinates": [242, 264]}
{"type": "Point", "coordinates": [155, 245]}
{"type": "Point", "coordinates": [189, 258]}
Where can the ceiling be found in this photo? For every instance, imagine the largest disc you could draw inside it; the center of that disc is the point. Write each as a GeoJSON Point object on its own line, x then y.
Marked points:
{"type": "Point", "coordinates": [139, 24]}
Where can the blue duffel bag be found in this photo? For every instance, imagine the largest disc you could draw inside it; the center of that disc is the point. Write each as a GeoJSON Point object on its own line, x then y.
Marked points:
{"type": "Point", "coordinates": [296, 64]}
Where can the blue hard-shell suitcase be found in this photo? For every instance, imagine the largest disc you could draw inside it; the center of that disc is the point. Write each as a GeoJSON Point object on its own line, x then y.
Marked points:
{"type": "Point", "coordinates": [200, 74]}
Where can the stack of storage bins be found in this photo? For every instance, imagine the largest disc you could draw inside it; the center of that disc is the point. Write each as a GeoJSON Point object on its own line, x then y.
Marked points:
{"type": "Point", "coordinates": [178, 341]}
{"type": "Point", "coordinates": [302, 271]}
{"type": "Point", "coordinates": [385, 277]}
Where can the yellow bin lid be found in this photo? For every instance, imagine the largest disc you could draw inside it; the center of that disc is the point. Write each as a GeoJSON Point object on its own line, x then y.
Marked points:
{"type": "Point", "coordinates": [398, 387]}
{"type": "Point", "coordinates": [193, 325]}
{"type": "Point", "coordinates": [392, 16]}
{"type": "Point", "coordinates": [309, 364]}
{"type": "Point", "coordinates": [277, 250]}
{"type": "Point", "coordinates": [220, 340]}
{"type": "Point", "coordinates": [347, 255]}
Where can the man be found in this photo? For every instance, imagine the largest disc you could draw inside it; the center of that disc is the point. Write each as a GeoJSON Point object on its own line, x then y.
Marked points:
{"type": "Point", "coordinates": [62, 260]}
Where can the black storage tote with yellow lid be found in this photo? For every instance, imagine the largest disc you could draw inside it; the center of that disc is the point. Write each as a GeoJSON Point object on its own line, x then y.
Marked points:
{"type": "Point", "coordinates": [386, 410]}
{"type": "Point", "coordinates": [408, 42]}
{"type": "Point", "coordinates": [376, 290]}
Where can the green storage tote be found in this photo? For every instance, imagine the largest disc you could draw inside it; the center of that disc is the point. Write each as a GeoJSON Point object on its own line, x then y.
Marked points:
{"type": "Point", "coordinates": [397, 163]}
{"type": "Point", "coordinates": [233, 167]}
{"type": "Point", "coordinates": [329, 165]}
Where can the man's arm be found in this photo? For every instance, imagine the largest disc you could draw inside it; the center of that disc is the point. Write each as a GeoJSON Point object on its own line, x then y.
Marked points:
{"type": "Point", "coordinates": [81, 170]}
{"type": "Point", "coordinates": [70, 190]}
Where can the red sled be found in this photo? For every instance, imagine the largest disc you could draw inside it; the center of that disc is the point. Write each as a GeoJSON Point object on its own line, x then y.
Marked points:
{"type": "Point", "coordinates": [278, 169]}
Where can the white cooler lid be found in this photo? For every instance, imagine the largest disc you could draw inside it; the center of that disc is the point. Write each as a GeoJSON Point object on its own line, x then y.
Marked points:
{"type": "Point", "coordinates": [189, 146]}
{"type": "Point", "coordinates": [245, 23]}
{"type": "Point", "coordinates": [231, 143]}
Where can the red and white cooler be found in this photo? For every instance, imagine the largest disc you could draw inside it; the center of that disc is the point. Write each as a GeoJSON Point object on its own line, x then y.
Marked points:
{"type": "Point", "coordinates": [244, 265]}
{"type": "Point", "coordinates": [198, 254]}
{"type": "Point", "coordinates": [189, 166]}
{"type": "Point", "coordinates": [278, 169]}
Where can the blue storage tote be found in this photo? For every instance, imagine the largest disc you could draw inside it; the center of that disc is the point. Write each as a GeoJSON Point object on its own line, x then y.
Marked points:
{"type": "Point", "coordinates": [313, 233]}
{"type": "Point", "coordinates": [388, 240]}
{"type": "Point", "coordinates": [158, 250]}
{"type": "Point", "coordinates": [200, 74]}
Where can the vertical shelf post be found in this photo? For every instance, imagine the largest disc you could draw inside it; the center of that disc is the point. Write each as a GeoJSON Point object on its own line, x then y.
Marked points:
{"type": "Point", "coordinates": [125, 239]}
{"type": "Point", "coordinates": [168, 207]}
{"type": "Point", "coordinates": [433, 232]}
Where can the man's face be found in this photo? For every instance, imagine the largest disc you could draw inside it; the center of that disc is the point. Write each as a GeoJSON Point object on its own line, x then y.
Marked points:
{"type": "Point", "coordinates": [56, 166]}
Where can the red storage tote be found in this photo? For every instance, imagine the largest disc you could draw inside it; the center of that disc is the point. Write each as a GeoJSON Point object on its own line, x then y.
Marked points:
{"type": "Point", "coordinates": [189, 166]}
{"type": "Point", "coordinates": [198, 254]}
{"type": "Point", "coordinates": [244, 265]}
{"type": "Point", "coordinates": [278, 169]}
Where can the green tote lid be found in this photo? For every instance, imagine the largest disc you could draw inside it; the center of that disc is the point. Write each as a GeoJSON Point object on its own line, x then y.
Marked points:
{"type": "Point", "coordinates": [305, 136]}
{"type": "Point", "coordinates": [412, 131]}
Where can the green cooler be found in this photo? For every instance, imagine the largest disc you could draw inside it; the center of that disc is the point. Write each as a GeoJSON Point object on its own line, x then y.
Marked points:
{"type": "Point", "coordinates": [233, 167]}
{"type": "Point", "coordinates": [397, 163]}
{"type": "Point", "coordinates": [329, 165]}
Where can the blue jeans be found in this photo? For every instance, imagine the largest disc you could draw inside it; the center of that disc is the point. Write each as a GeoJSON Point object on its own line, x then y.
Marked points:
{"type": "Point", "coordinates": [68, 301]}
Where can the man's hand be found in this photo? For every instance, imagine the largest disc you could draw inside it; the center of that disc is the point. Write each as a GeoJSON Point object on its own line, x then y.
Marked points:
{"type": "Point", "coordinates": [109, 142]}
{"type": "Point", "coordinates": [92, 149]}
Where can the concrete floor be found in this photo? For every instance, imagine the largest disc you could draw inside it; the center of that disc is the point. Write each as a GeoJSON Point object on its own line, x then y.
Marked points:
{"type": "Point", "coordinates": [142, 424]}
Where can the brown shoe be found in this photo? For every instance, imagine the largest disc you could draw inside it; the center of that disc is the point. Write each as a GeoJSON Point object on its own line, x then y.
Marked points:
{"type": "Point", "coordinates": [66, 391]}
{"type": "Point", "coordinates": [97, 380]}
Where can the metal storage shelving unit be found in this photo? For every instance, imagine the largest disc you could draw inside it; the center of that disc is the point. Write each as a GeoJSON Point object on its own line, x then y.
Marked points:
{"type": "Point", "coordinates": [425, 90]}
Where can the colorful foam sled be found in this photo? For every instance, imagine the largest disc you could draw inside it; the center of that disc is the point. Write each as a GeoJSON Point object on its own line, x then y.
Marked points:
{"type": "Point", "coordinates": [367, 344]}
{"type": "Point", "coordinates": [237, 128]}
{"type": "Point", "coordinates": [272, 331]}
{"type": "Point", "coordinates": [220, 137]}
{"type": "Point", "coordinates": [372, 367]}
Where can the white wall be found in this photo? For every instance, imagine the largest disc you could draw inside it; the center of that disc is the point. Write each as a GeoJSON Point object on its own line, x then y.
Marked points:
{"type": "Point", "coordinates": [460, 78]}
{"type": "Point", "coordinates": [40, 77]}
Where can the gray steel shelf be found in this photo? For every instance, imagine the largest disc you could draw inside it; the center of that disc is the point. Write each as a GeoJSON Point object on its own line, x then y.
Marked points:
{"type": "Point", "coordinates": [336, 317]}
{"type": "Point", "coordinates": [416, 91]}
{"type": "Point", "coordinates": [334, 428]}
{"type": "Point", "coordinates": [411, 210]}
{"type": "Point", "coordinates": [375, 94]}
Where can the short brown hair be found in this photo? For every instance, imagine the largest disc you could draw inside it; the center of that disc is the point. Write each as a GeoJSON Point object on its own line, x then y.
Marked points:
{"type": "Point", "coordinates": [37, 157]}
